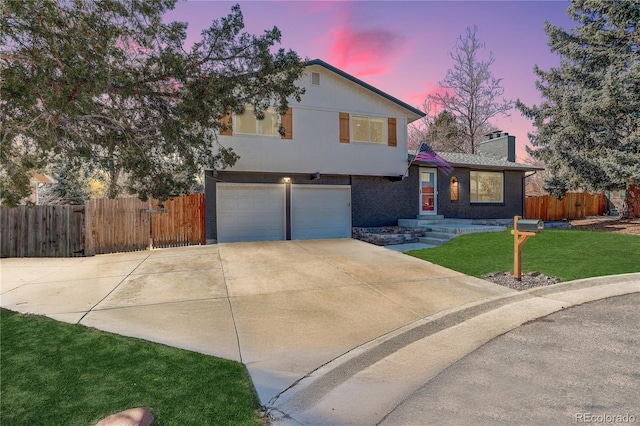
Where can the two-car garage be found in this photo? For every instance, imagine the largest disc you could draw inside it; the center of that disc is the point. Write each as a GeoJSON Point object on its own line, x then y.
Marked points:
{"type": "Point", "coordinates": [262, 211]}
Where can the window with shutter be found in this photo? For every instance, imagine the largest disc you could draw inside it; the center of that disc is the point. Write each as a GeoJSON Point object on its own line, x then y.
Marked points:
{"type": "Point", "coordinates": [226, 125]}
{"type": "Point", "coordinates": [391, 128]}
{"type": "Point", "coordinates": [248, 124]}
{"type": "Point", "coordinates": [286, 121]}
{"type": "Point", "coordinates": [345, 136]}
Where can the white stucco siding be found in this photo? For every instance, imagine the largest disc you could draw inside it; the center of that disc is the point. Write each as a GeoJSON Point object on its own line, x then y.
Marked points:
{"type": "Point", "coordinates": [316, 146]}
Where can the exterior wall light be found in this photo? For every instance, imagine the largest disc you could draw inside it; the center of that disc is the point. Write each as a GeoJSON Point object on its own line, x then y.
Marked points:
{"type": "Point", "coordinates": [286, 179]}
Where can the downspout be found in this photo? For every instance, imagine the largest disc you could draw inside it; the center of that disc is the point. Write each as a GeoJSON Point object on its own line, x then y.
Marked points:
{"type": "Point", "coordinates": [524, 195]}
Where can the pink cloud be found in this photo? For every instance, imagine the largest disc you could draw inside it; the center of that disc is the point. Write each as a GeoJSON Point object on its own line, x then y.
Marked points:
{"type": "Point", "coordinates": [365, 52]}
{"type": "Point", "coordinates": [428, 89]}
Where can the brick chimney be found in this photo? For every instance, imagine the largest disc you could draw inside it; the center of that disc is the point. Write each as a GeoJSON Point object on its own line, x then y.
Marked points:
{"type": "Point", "coordinates": [499, 145]}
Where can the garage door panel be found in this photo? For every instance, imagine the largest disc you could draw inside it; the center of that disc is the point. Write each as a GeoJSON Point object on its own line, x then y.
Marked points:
{"type": "Point", "coordinates": [250, 212]}
{"type": "Point", "coordinates": [320, 212]}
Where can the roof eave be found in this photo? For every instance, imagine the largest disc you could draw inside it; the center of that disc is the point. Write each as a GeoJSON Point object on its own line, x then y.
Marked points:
{"type": "Point", "coordinates": [414, 111]}
{"type": "Point", "coordinates": [518, 167]}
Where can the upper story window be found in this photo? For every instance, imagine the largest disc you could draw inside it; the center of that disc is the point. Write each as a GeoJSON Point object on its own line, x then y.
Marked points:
{"type": "Point", "coordinates": [368, 129]}
{"type": "Point", "coordinates": [487, 187]}
{"type": "Point", "coordinates": [359, 128]}
{"type": "Point", "coordinates": [247, 123]}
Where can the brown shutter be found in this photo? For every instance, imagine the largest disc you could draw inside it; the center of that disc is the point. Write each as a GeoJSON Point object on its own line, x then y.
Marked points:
{"type": "Point", "coordinates": [226, 125]}
{"type": "Point", "coordinates": [344, 128]}
{"type": "Point", "coordinates": [286, 121]}
{"type": "Point", "coordinates": [391, 128]}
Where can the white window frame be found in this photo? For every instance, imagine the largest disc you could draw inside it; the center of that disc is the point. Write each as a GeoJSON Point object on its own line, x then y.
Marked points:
{"type": "Point", "coordinates": [477, 193]}
{"type": "Point", "coordinates": [383, 120]}
{"type": "Point", "coordinates": [250, 112]}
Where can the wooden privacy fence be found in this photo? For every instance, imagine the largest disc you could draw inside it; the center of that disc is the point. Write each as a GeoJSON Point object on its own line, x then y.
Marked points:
{"type": "Point", "coordinates": [42, 231]}
{"type": "Point", "coordinates": [574, 205]}
{"type": "Point", "coordinates": [128, 224]}
{"type": "Point", "coordinates": [102, 226]}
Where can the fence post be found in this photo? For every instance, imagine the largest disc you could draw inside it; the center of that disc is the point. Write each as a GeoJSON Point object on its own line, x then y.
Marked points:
{"type": "Point", "coordinates": [89, 248]}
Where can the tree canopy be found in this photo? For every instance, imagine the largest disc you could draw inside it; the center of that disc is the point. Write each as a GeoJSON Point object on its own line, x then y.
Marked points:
{"type": "Point", "coordinates": [442, 132]}
{"type": "Point", "coordinates": [471, 92]}
{"type": "Point", "coordinates": [588, 125]}
{"type": "Point", "coordinates": [109, 85]}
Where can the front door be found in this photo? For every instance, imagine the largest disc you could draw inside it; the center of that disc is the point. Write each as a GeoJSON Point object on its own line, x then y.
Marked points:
{"type": "Point", "coordinates": [428, 191]}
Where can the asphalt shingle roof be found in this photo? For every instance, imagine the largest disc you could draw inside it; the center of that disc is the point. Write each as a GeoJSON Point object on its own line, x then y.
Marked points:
{"type": "Point", "coordinates": [458, 159]}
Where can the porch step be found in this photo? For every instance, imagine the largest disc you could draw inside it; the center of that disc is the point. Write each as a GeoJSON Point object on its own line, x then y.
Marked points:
{"type": "Point", "coordinates": [433, 241]}
{"type": "Point", "coordinates": [430, 216]}
{"type": "Point", "coordinates": [443, 230]}
{"type": "Point", "coordinates": [441, 235]}
{"type": "Point", "coordinates": [460, 229]}
{"type": "Point", "coordinates": [430, 222]}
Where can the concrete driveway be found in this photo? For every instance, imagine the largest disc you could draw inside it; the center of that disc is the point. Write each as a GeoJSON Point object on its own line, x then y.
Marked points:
{"type": "Point", "coordinates": [331, 331]}
{"type": "Point", "coordinates": [283, 308]}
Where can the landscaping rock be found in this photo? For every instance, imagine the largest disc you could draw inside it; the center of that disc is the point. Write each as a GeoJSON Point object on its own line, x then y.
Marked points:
{"type": "Point", "coordinates": [530, 280]}
{"type": "Point", "coordinates": [133, 417]}
{"type": "Point", "coordinates": [389, 235]}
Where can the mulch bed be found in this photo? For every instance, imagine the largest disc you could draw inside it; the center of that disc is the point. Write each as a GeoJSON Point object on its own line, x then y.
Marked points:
{"type": "Point", "coordinates": [609, 224]}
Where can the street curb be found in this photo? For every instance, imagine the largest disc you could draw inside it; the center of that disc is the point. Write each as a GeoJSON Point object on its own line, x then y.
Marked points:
{"type": "Point", "coordinates": [302, 397]}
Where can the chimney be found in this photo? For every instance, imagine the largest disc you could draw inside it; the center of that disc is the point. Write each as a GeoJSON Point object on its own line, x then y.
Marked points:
{"type": "Point", "coordinates": [499, 145]}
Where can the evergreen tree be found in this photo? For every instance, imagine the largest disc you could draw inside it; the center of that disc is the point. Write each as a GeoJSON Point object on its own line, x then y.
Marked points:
{"type": "Point", "coordinates": [588, 125]}
{"type": "Point", "coordinates": [109, 85]}
{"type": "Point", "coordinates": [72, 186]}
{"type": "Point", "coordinates": [446, 134]}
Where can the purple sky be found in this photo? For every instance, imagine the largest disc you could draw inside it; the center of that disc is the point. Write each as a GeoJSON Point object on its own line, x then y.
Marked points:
{"type": "Point", "coordinates": [403, 47]}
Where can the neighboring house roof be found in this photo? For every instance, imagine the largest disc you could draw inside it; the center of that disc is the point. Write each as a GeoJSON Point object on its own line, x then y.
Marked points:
{"type": "Point", "coordinates": [476, 161]}
{"type": "Point", "coordinates": [366, 86]}
{"type": "Point", "coordinates": [42, 178]}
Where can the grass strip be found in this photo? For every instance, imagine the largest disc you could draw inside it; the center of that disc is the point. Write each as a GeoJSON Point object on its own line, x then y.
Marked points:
{"type": "Point", "coordinates": [54, 373]}
{"type": "Point", "coordinates": [568, 254]}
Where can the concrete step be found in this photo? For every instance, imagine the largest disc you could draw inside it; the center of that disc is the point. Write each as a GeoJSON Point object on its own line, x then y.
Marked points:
{"type": "Point", "coordinates": [460, 229]}
{"type": "Point", "coordinates": [433, 241]}
{"type": "Point", "coordinates": [413, 223]}
{"type": "Point", "coordinates": [441, 235]}
{"type": "Point", "coordinates": [443, 230]}
{"type": "Point", "coordinates": [418, 223]}
{"type": "Point", "coordinates": [430, 217]}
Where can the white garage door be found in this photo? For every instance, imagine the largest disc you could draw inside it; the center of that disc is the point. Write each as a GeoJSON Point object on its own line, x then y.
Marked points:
{"type": "Point", "coordinates": [320, 211]}
{"type": "Point", "coordinates": [250, 212]}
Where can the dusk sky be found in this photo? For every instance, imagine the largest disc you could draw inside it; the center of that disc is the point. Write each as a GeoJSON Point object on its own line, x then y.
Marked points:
{"type": "Point", "coordinates": [403, 47]}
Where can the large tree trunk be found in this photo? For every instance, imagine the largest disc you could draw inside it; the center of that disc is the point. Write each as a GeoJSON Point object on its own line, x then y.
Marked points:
{"type": "Point", "coordinates": [113, 190]}
{"type": "Point", "coordinates": [632, 202]}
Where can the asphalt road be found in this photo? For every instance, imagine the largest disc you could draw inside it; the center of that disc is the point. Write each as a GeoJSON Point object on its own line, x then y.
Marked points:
{"type": "Point", "coordinates": [577, 366]}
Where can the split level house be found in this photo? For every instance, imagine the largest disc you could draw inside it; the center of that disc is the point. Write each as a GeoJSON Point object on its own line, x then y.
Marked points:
{"type": "Point", "coordinates": [343, 162]}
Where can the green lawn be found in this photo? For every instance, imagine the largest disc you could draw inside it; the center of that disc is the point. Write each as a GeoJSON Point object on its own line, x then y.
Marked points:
{"type": "Point", "coordinates": [564, 253]}
{"type": "Point", "coordinates": [54, 373]}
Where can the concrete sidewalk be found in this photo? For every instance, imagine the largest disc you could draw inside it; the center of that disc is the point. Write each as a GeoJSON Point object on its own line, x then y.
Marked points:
{"type": "Point", "coordinates": [315, 322]}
